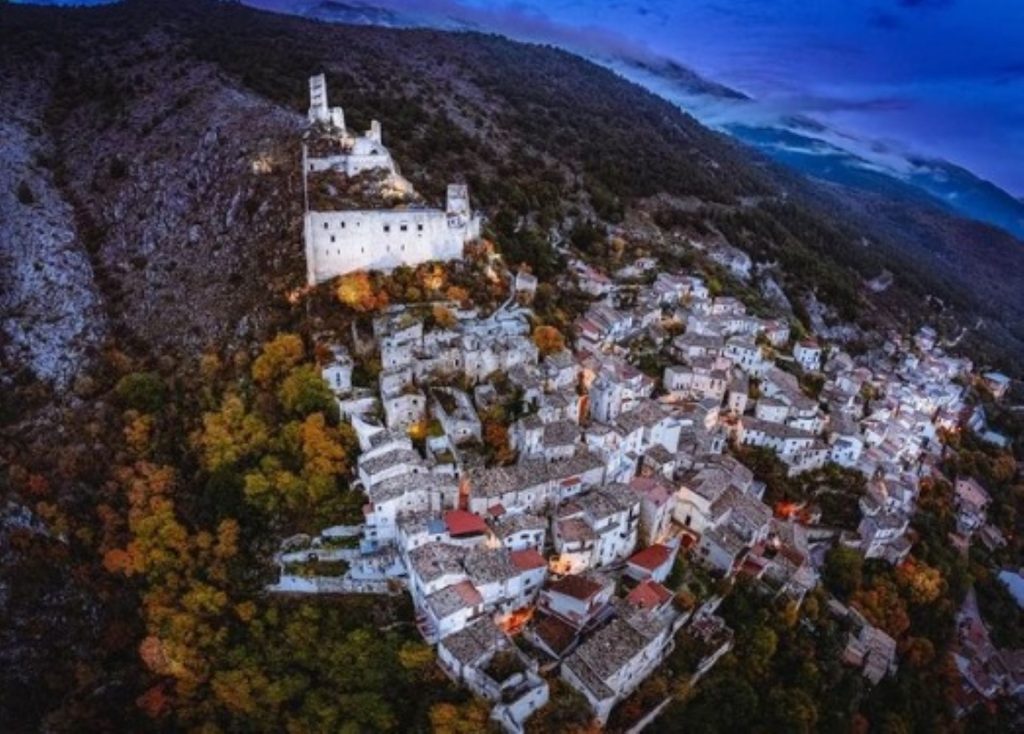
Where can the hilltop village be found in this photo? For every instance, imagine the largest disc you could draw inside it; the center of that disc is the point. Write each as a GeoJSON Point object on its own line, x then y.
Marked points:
{"type": "Point", "coordinates": [565, 557]}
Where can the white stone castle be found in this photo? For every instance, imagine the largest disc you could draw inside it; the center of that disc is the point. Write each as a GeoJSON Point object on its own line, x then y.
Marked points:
{"type": "Point", "coordinates": [339, 242]}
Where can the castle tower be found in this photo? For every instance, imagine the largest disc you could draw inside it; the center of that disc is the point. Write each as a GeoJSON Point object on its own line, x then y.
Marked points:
{"type": "Point", "coordinates": [318, 111]}
{"type": "Point", "coordinates": [458, 201]}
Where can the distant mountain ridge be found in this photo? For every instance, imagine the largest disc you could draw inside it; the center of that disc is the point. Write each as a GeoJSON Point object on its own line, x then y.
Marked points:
{"type": "Point", "coordinates": [935, 182]}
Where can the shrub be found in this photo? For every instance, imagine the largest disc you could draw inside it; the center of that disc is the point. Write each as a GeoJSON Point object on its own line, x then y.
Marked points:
{"type": "Point", "coordinates": [142, 391]}
{"type": "Point", "coordinates": [25, 194]}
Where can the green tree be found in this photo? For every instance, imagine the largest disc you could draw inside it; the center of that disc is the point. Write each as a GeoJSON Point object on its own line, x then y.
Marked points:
{"type": "Point", "coordinates": [141, 391]}
{"type": "Point", "coordinates": [791, 710]}
{"type": "Point", "coordinates": [304, 391]}
{"type": "Point", "coordinates": [844, 571]}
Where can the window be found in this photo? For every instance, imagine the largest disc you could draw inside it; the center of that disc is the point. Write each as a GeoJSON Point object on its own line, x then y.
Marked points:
{"type": "Point", "coordinates": [419, 227]}
{"type": "Point", "coordinates": [387, 227]}
{"type": "Point", "coordinates": [332, 238]}
{"type": "Point", "coordinates": [343, 225]}
{"type": "Point", "coordinates": [404, 227]}
{"type": "Point", "coordinates": [325, 225]}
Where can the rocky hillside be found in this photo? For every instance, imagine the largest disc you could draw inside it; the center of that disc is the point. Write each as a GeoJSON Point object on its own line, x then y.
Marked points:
{"type": "Point", "coordinates": [150, 202]}
{"type": "Point", "coordinates": [49, 305]}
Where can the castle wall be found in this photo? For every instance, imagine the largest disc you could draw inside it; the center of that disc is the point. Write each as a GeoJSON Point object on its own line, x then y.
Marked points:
{"type": "Point", "coordinates": [352, 164]}
{"type": "Point", "coordinates": [342, 242]}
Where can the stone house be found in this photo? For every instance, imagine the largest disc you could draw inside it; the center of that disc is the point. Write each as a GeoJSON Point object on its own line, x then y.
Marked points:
{"type": "Point", "coordinates": [616, 659]}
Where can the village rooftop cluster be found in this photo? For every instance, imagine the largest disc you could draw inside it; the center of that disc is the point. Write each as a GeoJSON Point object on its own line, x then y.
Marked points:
{"type": "Point", "coordinates": [564, 561]}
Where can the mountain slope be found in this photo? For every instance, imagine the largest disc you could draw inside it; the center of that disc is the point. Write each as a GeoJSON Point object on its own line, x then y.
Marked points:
{"type": "Point", "coordinates": [176, 129]}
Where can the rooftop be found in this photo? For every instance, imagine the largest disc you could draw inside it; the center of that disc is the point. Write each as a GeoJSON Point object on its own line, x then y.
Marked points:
{"type": "Point", "coordinates": [395, 487]}
{"type": "Point", "coordinates": [652, 489]}
{"type": "Point", "coordinates": [461, 523]}
{"type": "Point", "coordinates": [475, 642]}
{"type": "Point", "coordinates": [651, 557]}
{"type": "Point", "coordinates": [610, 649]}
{"type": "Point", "coordinates": [527, 559]}
{"type": "Point", "coordinates": [486, 566]}
{"type": "Point", "coordinates": [434, 560]}
{"type": "Point", "coordinates": [508, 525]}
{"type": "Point", "coordinates": [382, 462]}
{"type": "Point", "coordinates": [577, 587]}
{"type": "Point", "coordinates": [445, 602]}
{"type": "Point", "coordinates": [648, 595]}
{"type": "Point", "coordinates": [602, 502]}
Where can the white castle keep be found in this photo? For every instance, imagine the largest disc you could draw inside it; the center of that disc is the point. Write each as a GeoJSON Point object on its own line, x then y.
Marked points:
{"type": "Point", "coordinates": [339, 242]}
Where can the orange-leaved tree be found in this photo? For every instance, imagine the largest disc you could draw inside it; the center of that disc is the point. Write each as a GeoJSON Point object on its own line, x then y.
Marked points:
{"type": "Point", "coordinates": [548, 339]}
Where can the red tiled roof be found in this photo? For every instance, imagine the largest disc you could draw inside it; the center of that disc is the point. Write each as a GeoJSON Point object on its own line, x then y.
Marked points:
{"type": "Point", "coordinates": [496, 510]}
{"type": "Point", "coordinates": [577, 587]}
{"type": "Point", "coordinates": [468, 593]}
{"type": "Point", "coordinates": [461, 522]}
{"type": "Point", "coordinates": [652, 557]}
{"type": "Point", "coordinates": [527, 559]}
{"type": "Point", "coordinates": [648, 594]}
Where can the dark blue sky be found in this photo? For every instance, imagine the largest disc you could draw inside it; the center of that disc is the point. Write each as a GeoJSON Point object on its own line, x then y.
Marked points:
{"type": "Point", "coordinates": [941, 78]}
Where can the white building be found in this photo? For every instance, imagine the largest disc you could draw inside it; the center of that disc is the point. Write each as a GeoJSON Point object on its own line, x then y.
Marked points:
{"type": "Point", "coordinates": [657, 501]}
{"type": "Point", "coordinates": [596, 528]}
{"type": "Point", "coordinates": [807, 354]}
{"type": "Point", "coordinates": [405, 493]}
{"type": "Point", "coordinates": [340, 242]}
{"type": "Point", "coordinates": [337, 372]}
{"type": "Point", "coordinates": [454, 410]}
{"type": "Point", "coordinates": [467, 657]}
{"type": "Point", "coordinates": [616, 659]}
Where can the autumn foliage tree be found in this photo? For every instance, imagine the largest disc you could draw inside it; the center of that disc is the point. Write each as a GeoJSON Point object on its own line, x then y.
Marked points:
{"type": "Point", "coordinates": [883, 606]}
{"type": "Point", "coordinates": [357, 291]}
{"type": "Point", "coordinates": [277, 358]}
{"type": "Point", "coordinates": [548, 339]}
{"type": "Point", "coordinates": [496, 440]}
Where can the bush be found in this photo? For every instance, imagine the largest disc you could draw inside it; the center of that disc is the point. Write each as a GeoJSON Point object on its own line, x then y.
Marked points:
{"type": "Point", "coordinates": [142, 391]}
{"type": "Point", "coordinates": [118, 169]}
{"type": "Point", "coordinates": [25, 194]}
